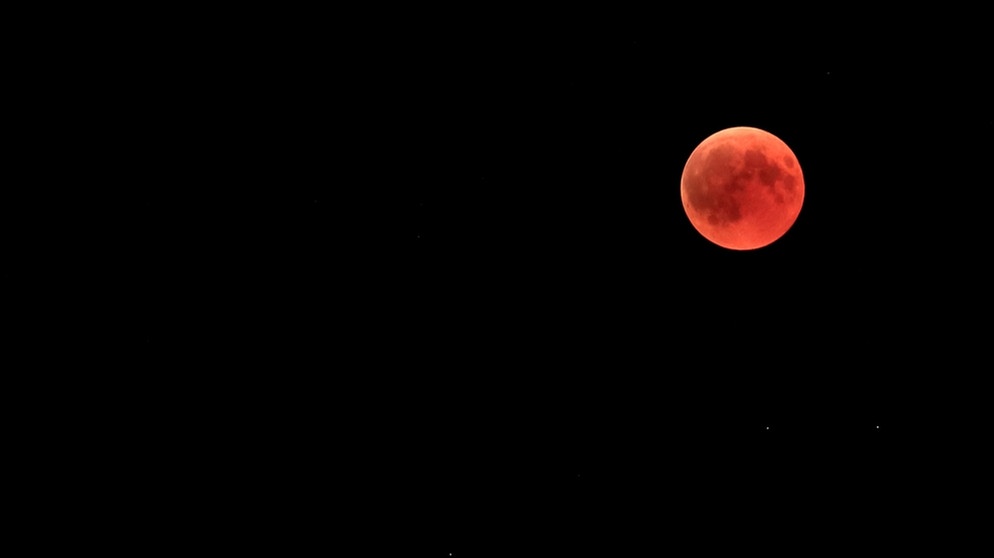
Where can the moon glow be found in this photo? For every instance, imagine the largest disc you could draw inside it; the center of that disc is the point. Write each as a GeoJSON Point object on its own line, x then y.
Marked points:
{"type": "Point", "coordinates": [742, 188]}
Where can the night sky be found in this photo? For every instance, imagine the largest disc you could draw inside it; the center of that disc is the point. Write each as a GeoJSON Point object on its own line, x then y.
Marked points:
{"type": "Point", "coordinates": [457, 283]}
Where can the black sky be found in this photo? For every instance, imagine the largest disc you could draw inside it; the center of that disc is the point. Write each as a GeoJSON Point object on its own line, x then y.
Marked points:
{"type": "Point", "coordinates": [522, 345]}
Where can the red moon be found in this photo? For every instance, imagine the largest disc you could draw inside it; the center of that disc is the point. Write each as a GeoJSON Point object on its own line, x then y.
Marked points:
{"type": "Point", "coordinates": [742, 188]}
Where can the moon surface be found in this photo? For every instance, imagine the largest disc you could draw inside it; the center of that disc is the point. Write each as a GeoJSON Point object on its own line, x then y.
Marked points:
{"type": "Point", "coordinates": [742, 188]}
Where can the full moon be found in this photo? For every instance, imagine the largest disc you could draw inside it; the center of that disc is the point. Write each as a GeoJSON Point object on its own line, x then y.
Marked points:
{"type": "Point", "coordinates": [742, 188]}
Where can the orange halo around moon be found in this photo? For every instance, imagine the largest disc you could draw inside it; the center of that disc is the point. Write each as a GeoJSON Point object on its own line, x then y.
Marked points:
{"type": "Point", "coordinates": [742, 188]}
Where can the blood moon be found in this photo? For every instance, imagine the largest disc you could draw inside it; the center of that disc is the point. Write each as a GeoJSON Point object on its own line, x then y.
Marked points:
{"type": "Point", "coordinates": [742, 188]}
